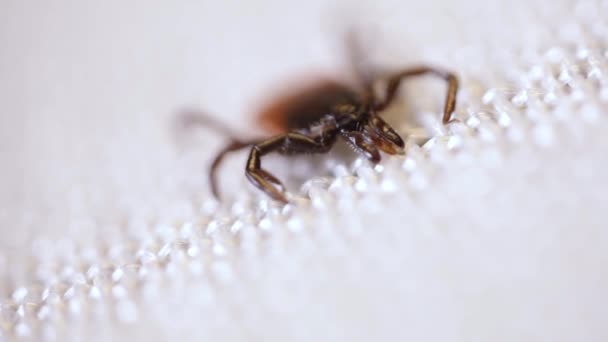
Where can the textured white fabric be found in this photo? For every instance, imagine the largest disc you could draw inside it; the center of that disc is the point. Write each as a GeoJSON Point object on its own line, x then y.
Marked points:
{"type": "Point", "coordinates": [494, 229]}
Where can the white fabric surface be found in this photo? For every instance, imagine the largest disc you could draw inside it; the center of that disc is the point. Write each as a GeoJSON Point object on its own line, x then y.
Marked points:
{"type": "Point", "coordinates": [493, 230]}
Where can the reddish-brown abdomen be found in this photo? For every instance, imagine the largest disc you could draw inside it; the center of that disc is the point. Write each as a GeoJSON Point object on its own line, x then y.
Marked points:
{"type": "Point", "coordinates": [300, 108]}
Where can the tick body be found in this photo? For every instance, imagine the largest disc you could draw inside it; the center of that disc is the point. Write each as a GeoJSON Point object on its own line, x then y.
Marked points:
{"type": "Point", "coordinates": [312, 119]}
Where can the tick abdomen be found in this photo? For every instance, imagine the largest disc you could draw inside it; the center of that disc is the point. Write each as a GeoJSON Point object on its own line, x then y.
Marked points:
{"type": "Point", "coordinates": [300, 109]}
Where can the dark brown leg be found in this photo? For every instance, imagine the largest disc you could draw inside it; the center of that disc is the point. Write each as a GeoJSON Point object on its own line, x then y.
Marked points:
{"type": "Point", "coordinates": [190, 118]}
{"type": "Point", "coordinates": [451, 79]}
{"type": "Point", "coordinates": [356, 53]}
{"type": "Point", "coordinates": [234, 145]}
{"type": "Point", "coordinates": [362, 145]}
{"type": "Point", "coordinates": [288, 143]}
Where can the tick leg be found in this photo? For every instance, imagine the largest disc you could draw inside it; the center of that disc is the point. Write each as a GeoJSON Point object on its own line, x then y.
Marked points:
{"type": "Point", "coordinates": [234, 145]}
{"type": "Point", "coordinates": [359, 64]}
{"type": "Point", "coordinates": [451, 79]}
{"type": "Point", "coordinates": [362, 145]}
{"type": "Point", "coordinates": [288, 143]}
{"type": "Point", "coordinates": [190, 118]}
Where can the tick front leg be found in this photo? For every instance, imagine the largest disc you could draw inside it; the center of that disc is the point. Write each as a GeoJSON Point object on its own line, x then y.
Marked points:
{"type": "Point", "coordinates": [288, 143]}
{"type": "Point", "coordinates": [263, 179]}
{"type": "Point", "coordinates": [450, 98]}
{"type": "Point", "coordinates": [362, 145]}
{"type": "Point", "coordinates": [234, 145]}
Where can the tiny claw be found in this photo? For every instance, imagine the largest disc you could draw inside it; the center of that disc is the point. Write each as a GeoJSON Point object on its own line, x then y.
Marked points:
{"type": "Point", "coordinates": [276, 194]}
{"type": "Point", "coordinates": [268, 183]}
{"type": "Point", "coordinates": [281, 198]}
{"type": "Point", "coordinates": [452, 121]}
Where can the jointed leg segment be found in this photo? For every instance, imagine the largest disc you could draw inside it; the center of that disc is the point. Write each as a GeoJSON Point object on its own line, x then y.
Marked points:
{"type": "Point", "coordinates": [451, 79]}
{"type": "Point", "coordinates": [288, 143]}
{"type": "Point", "coordinates": [234, 145]}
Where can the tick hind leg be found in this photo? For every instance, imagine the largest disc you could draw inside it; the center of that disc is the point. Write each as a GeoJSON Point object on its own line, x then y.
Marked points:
{"type": "Point", "coordinates": [450, 98]}
{"type": "Point", "coordinates": [289, 143]}
{"type": "Point", "coordinates": [189, 119]}
{"type": "Point", "coordinates": [359, 65]}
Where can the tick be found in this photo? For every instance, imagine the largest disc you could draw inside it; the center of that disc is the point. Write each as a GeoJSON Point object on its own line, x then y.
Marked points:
{"type": "Point", "coordinates": [313, 119]}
